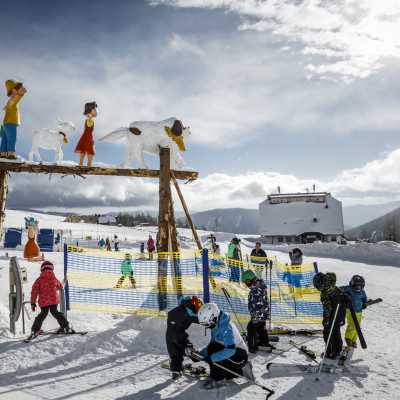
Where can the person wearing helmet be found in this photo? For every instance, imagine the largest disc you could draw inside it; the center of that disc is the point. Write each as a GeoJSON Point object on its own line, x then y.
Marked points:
{"type": "Point", "coordinates": [150, 247]}
{"type": "Point", "coordinates": [178, 321]}
{"type": "Point", "coordinates": [358, 297]}
{"type": "Point", "coordinates": [46, 287]}
{"type": "Point", "coordinates": [226, 347]}
{"type": "Point", "coordinates": [234, 260]}
{"type": "Point", "coordinates": [331, 296]}
{"type": "Point", "coordinates": [127, 271]}
{"type": "Point", "coordinates": [258, 305]}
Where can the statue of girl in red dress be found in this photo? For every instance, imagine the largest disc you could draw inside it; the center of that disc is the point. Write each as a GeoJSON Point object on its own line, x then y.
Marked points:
{"type": "Point", "coordinates": [32, 251]}
{"type": "Point", "coordinates": [85, 145]}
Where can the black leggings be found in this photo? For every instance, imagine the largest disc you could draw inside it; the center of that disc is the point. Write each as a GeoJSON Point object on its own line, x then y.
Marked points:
{"type": "Point", "coordinates": [58, 315]}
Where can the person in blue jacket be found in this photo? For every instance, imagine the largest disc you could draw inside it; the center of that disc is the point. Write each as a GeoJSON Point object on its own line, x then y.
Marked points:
{"type": "Point", "coordinates": [355, 289]}
{"type": "Point", "coordinates": [226, 347]}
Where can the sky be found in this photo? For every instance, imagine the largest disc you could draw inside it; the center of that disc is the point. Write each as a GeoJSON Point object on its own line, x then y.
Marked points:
{"type": "Point", "coordinates": [277, 93]}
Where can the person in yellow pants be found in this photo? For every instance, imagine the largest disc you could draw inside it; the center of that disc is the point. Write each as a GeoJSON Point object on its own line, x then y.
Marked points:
{"type": "Point", "coordinates": [355, 289]}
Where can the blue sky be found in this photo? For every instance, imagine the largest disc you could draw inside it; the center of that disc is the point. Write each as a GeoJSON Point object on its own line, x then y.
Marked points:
{"type": "Point", "coordinates": [277, 93]}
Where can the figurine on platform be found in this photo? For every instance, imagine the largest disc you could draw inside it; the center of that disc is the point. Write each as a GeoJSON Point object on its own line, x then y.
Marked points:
{"type": "Point", "coordinates": [85, 145]}
{"type": "Point", "coordinates": [147, 137]}
{"type": "Point", "coordinates": [32, 251]}
{"type": "Point", "coordinates": [15, 91]}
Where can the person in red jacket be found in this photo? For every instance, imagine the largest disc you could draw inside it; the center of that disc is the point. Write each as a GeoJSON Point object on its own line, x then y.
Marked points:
{"type": "Point", "coordinates": [150, 247]}
{"type": "Point", "coordinates": [46, 287]}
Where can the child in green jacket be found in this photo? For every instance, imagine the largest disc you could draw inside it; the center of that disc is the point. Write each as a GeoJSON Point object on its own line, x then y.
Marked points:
{"type": "Point", "coordinates": [126, 269]}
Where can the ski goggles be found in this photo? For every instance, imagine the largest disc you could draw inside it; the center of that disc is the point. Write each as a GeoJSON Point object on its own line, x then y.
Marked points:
{"type": "Point", "coordinates": [358, 288]}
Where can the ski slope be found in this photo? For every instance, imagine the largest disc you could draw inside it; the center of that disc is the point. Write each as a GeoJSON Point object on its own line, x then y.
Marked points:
{"type": "Point", "coordinates": [120, 357]}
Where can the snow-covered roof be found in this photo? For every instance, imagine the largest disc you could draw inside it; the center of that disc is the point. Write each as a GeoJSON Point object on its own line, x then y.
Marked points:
{"type": "Point", "coordinates": [295, 218]}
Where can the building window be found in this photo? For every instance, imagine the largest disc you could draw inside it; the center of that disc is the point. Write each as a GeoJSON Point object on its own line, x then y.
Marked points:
{"type": "Point", "coordinates": [333, 238]}
{"type": "Point", "coordinates": [280, 239]}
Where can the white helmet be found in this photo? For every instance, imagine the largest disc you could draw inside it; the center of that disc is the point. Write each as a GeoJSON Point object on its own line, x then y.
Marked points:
{"type": "Point", "coordinates": [208, 315]}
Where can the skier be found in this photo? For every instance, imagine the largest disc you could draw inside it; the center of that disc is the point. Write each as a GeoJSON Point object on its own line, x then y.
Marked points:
{"type": "Point", "coordinates": [150, 247]}
{"type": "Point", "coordinates": [331, 296]}
{"type": "Point", "coordinates": [258, 257]}
{"type": "Point", "coordinates": [46, 287]}
{"type": "Point", "coordinates": [178, 321]}
{"type": "Point", "coordinates": [258, 305]}
{"type": "Point", "coordinates": [296, 256]}
{"type": "Point", "coordinates": [142, 251]}
{"type": "Point", "coordinates": [108, 244]}
{"type": "Point", "coordinates": [116, 243]}
{"type": "Point", "coordinates": [355, 289]}
{"type": "Point", "coordinates": [226, 348]}
{"type": "Point", "coordinates": [101, 243]}
{"type": "Point", "coordinates": [234, 260]}
{"type": "Point", "coordinates": [126, 269]}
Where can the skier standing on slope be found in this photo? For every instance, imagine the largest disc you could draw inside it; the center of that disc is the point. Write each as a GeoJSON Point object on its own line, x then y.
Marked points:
{"type": "Point", "coordinates": [178, 321]}
{"type": "Point", "coordinates": [46, 287]}
{"type": "Point", "coordinates": [258, 305]}
{"type": "Point", "coordinates": [355, 289]}
{"type": "Point", "coordinates": [331, 296]}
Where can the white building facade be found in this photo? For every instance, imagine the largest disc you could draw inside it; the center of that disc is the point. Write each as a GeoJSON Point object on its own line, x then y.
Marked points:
{"type": "Point", "coordinates": [301, 218]}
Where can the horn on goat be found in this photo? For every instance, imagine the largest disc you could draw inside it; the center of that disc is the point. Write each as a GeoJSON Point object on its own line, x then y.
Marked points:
{"type": "Point", "coordinates": [177, 128]}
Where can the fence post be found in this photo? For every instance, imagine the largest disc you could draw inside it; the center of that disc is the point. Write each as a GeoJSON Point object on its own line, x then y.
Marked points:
{"type": "Point", "coordinates": [206, 271]}
{"type": "Point", "coordinates": [316, 267]}
{"type": "Point", "coordinates": [66, 274]}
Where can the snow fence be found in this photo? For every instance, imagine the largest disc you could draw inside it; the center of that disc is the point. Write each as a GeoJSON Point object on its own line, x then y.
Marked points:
{"type": "Point", "coordinates": [95, 276]}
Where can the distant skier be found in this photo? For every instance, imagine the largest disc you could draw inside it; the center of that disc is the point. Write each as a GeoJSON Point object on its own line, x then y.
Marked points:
{"type": "Point", "coordinates": [46, 287]}
{"type": "Point", "coordinates": [258, 305]}
{"type": "Point", "coordinates": [178, 321]}
{"type": "Point", "coordinates": [116, 243]}
{"type": "Point", "coordinates": [108, 244]}
{"type": "Point", "coordinates": [101, 244]}
{"type": "Point", "coordinates": [355, 289]}
{"type": "Point", "coordinates": [234, 256]}
{"type": "Point", "coordinates": [150, 247]}
{"type": "Point", "coordinates": [331, 296]}
{"type": "Point", "coordinates": [258, 257]}
{"type": "Point", "coordinates": [127, 271]}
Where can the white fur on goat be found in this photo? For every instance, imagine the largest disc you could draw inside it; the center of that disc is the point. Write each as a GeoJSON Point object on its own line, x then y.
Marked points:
{"type": "Point", "coordinates": [50, 140]}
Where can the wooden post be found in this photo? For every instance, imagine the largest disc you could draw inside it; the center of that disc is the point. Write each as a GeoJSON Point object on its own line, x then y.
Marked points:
{"type": "Point", "coordinates": [3, 197]}
{"type": "Point", "coordinates": [164, 201]}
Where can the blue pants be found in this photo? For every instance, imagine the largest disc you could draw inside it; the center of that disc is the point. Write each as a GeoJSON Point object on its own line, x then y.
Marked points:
{"type": "Point", "coordinates": [9, 137]}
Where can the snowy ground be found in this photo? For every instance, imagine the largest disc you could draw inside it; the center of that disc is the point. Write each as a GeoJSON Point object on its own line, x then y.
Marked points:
{"type": "Point", "coordinates": [120, 357]}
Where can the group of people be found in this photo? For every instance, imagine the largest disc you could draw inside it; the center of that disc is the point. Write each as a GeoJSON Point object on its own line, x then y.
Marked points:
{"type": "Point", "coordinates": [107, 244]}
{"type": "Point", "coordinates": [227, 353]}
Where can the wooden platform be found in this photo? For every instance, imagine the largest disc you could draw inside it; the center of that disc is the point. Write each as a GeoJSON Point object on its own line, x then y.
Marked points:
{"type": "Point", "coordinates": [83, 170]}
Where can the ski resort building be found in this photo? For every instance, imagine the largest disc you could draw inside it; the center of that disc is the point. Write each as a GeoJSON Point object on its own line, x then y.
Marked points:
{"type": "Point", "coordinates": [301, 218]}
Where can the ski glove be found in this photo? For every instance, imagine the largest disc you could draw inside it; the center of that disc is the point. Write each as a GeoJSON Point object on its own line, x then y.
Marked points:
{"type": "Point", "coordinates": [33, 306]}
{"type": "Point", "coordinates": [207, 359]}
{"type": "Point", "coordinates": [364, 306]}
{"type": "Point", "coordinates": [188, 351]}
{"type": "Point", "coordinates": [196, 356]}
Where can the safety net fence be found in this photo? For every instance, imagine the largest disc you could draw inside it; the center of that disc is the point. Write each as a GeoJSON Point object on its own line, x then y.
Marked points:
{"type": "Point", "coordinates": [152, 284]}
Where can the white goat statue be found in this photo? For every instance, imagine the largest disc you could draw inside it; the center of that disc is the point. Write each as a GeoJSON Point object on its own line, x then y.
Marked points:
{"type": "Point", "coordinates": [50, 140]}
{"type": "Point", "coordinates": [148, 137]}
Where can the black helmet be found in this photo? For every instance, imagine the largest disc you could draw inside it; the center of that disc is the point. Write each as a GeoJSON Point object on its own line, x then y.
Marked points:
{"type": "Point", "coordinates": [357, 282]}
{"type": "Point", "coordinates": [319, 281]}
{"type": "Point", "coordinates": [235, 240]}
{"type": "Point", "coordinates": [330, 278]}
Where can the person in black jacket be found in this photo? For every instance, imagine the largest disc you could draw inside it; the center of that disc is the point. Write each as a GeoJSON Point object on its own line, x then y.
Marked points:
{"type": "Point", "coordinates": [258, 257]}
{"type": "Point", "coordinates": [178, 321]}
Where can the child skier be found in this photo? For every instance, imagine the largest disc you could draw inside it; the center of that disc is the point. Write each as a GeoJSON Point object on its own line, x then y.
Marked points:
{"type": "Point", "coordinates": [258, 305]}
{"type": "Point", "coordinates": [178, 321]}
{"type": "Point", "coordinates": [226, 348]}
{"type": "Point", "coordinates": [126, 269]}
{"type": "Point", "coordinates": [355, 289]}
{"type": "Point", "coordinates": [46, 287]}
{"type": "Point", "coordinates": [331, 296]}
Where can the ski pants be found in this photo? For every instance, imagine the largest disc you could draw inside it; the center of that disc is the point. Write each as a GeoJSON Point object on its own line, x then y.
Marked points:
{"type": "Point", "coordinates": [335, 345]}
{"type": "Point", "coordinates": [131, 278]}
{"type": "Point", "coordinates": [235, 363]}
{"type": "Point", "coordinates": [58, 315]}
{"type": "Point", "coordinates": [234, 270]}
{"type": "Point", "coordinates": [150, 253]}
{"type": "Point", "coordinates": [257, 334]}
{"type": "Point", "coordinates": [351, 332]}
{"type": "Point", "coordinates": [177, 341]}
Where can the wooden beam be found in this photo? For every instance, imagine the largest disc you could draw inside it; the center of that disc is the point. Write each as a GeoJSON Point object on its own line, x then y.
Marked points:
{"type": "Point", "coordinates": [3, 196]}
{"type": "Point", "coordinates": [84, 170]}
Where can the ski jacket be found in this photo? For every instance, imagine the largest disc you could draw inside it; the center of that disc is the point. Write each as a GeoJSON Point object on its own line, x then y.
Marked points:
{"type": "Point", "coordinates": [258, 302]}
{"type": "Point", "coordinates": [330, 297]}
{"type": "Point", "coordinates": [178, 321]}
{"type": "Point", "coordinates": [296, 259]}
{"type": "Point", "coordinates": [233, 252]}
{"type": "Point", "coordinates": [357, 298]}
{"type": "Point", "coordinates": [150, 244]}
{"type": "Point", "coordinates": [46, 287]}
{"type": "Point", "coordinates": [126, 267]}
{"type": "Point", "coordinates": [226, 334]}
{"type": "Point", "coordinates": [258, 253]}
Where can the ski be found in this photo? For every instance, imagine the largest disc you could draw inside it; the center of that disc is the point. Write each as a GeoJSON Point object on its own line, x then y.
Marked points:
{"type": "Point", "coordinates": [276, 368]}
{"type": "Point", "coordinates": [355, 321]}
{"type": "Point", "coordinates": [272, 338]}
{"type": "Point", "coordinates": [27, 340]}
{"type": "Point", "coordinates": [189, 369]}
{"type": "Point", "coordinates": [304, 332]}
{"type": "Point", "coordinates": [306, 351]}
{"type": "Point", "coordinates": [343, 355]}
{"type": "Point", "coordinates": [370, 302]}
{"type": "Point", "coordinates": [269, 350]}
{"type": "Point", "coordinates": [64, 333]}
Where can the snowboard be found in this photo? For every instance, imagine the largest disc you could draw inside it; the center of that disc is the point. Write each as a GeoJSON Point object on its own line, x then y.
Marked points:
{"type": "Point", "coordinates": [65, 333]}
{"type": "Point", "coordinates": [276, 368]}
{"type": "Point", "coordinates": [189, 369]}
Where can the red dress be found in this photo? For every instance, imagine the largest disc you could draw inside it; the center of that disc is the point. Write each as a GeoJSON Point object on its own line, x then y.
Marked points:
{"type": "Point", "coordinates": [31, 248]}
{"type": "Point", "coordinates": [86, 142]}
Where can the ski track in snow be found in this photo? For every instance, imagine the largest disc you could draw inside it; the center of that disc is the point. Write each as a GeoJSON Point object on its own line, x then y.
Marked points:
{"type": "Point", "coordinates": [120, 357]}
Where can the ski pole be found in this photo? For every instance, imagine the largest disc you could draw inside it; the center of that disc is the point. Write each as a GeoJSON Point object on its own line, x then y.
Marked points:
{"type": "Point", "coordinates": [270, 293]}
{"type": "Point", "coordinates": [270, 391]}
{"type": "Point", "coordinates": [227, 297]}
{"type": "Point", "coordinates": [327, 343]}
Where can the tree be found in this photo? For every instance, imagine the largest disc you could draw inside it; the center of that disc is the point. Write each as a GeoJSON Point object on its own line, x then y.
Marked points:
{"type": "Point", "coordinates": [216, 224]}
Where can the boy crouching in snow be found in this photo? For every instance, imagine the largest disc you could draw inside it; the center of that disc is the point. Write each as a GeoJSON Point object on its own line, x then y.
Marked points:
{"type": "Point", "coordinates": [46, 287]}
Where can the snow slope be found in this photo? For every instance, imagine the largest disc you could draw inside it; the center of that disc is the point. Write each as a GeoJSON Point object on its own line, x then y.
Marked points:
{"type": "Point", "coordinates": [121, 355]}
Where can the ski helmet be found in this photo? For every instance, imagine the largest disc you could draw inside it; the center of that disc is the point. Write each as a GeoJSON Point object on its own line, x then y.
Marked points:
{"type": "Point", "coordinates": [47, 265]}
{"type": "Point", "coordinates": [209, 315]}
{"type": "Point", "coordinates": [235, 240]}
{"type": "Point", "coordinates": [357, 282]}
{"type": "Point", "coordinates": [196, 304]}
{"type": "Point", "coordinates": [248, 276]}
{"type": "Point", "coordinates": [128, 256]}
{"type": "Point", "coordinates": [319, 281]}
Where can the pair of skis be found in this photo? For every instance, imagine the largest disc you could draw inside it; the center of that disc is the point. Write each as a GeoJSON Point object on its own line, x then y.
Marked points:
{"type": "Point", "coordinates": [43, 333]}
{"type": "Point", "coordinates": [189, 369]}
